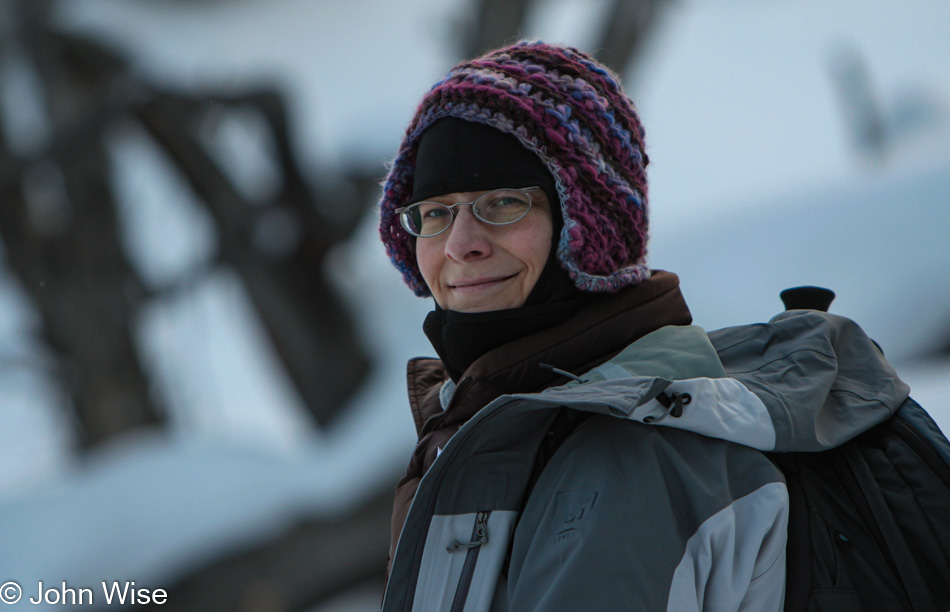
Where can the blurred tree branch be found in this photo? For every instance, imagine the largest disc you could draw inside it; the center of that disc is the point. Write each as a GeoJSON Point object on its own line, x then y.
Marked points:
{"type": "Point", "coordinates": [296, 570]}
{"type": "Point", "coordinates": [618, 42]}
{"type": "Point", "coordinates": [498, 22]}
{"type": "Point", "coordinates": [309, 326]}
{"type": "Point", "coordinates": [63, 241]}
{"type": "Point", "coordinates": [59, 228]}
{"type": "Point", "coordinates": [624, 31]}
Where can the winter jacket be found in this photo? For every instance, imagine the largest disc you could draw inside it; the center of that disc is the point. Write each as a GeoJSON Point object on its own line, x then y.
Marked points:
{"type": "Point", "coordinates": [599, 330]}
{"type": "Point", "coordinates": [650, 504]}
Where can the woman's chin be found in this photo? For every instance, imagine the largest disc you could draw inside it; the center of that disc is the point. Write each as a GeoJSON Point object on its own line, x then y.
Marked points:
{"type": "Point", "coordinates": [484, 305]}
{"type": "Point", "coordinates": [485, 297]}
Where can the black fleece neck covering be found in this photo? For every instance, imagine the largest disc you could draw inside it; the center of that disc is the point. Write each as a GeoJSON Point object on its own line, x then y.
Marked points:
{"type": "Point", "coordinates": [458, 156]}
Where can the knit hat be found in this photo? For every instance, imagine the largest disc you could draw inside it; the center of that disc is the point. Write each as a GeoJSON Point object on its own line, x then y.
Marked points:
{"type": "Point", "coordinates": [455, 156]}
{"type": "Point", "coordinates": [568, 110]}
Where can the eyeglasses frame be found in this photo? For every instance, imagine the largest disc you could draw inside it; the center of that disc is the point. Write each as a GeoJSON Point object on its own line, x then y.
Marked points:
{"type": "Point", "coordinates": [453, 209]}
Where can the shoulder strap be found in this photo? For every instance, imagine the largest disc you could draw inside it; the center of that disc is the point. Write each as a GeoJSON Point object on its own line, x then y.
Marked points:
{"type": "Point", "coordinates": [798, 553]}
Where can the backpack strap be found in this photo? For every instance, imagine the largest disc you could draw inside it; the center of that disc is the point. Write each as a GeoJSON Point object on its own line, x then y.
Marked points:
{"type": "Point", "coordinates": [798, 553]}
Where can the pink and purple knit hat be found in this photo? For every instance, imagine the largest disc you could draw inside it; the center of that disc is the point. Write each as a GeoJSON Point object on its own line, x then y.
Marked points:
{"type": "Point", "coordinates": [572, 113]}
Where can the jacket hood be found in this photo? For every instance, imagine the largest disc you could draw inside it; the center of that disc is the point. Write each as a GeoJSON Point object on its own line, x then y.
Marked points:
{"type": "Point", "coordinates": [821, 378]}
{"type": "Point", "coordinates": [805, 381]}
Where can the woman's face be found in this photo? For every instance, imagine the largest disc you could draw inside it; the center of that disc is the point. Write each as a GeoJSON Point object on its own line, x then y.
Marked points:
{"type": "Point", "coordinates": [477, 267]}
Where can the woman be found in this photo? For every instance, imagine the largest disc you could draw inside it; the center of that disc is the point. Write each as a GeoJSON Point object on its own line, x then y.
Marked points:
{"type": "Point", "coordinates": [518, 201]}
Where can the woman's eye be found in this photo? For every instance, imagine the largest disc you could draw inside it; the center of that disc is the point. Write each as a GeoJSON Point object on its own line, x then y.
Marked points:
{"type": "Point", "coordinates": [506, 201]}
{"type": "Point", "coordinates": [507, 205]}
{"type": "Point", "coordinates": [435, 212]}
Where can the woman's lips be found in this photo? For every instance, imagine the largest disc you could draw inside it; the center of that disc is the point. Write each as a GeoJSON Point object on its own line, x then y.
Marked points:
{"type": "Point", "coordinates": [479, 283]}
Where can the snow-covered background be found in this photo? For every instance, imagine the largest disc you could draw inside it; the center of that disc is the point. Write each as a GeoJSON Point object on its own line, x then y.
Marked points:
{"type": "Point", "coordinates": [755, 187]}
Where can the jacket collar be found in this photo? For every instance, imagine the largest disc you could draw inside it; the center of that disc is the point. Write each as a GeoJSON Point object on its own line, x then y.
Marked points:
{"type": "Point", "coordinates": [600, 329]}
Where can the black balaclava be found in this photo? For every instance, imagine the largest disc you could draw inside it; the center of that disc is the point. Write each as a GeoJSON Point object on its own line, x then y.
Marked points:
{"type": "Point", "coordinates": [459, 156]}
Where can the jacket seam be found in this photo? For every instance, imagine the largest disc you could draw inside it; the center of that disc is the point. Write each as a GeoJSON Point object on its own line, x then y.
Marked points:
{"type": "Point", "coordinates": [775, 562]}
{"type": "Point", "coordinates": [781, 358]}
{"type": "Point", "coordinates": [413, 396]}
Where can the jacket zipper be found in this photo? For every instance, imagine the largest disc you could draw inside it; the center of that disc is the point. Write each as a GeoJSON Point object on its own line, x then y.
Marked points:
{"type": "Point", "coordinates": [427, 517]}
{"type": "Point", "coordinates": [479, 537]}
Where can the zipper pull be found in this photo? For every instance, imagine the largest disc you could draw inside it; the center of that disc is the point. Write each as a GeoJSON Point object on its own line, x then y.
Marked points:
{"type": "Point", "coordinates": [480, 535]}
{"type": "Point", "coordinates": [674, 406]}
{"type": "Point", "coordinates": [564, 373]}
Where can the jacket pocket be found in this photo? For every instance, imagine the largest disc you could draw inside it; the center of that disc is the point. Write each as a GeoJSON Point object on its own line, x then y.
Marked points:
{"type": "Point", "coordinates": [841, 567]}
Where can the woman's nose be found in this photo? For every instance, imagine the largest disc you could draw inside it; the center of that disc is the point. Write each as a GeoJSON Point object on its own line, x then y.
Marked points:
{"type": "Point", "coordinates": [468, 237]}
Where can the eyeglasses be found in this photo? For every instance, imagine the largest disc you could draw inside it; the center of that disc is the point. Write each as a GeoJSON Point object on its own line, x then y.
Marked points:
{"type": "Point", "coordinates": [498, 207]}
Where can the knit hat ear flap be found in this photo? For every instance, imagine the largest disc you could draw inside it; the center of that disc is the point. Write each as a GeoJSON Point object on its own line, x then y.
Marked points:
{"type": "Point", "coordinates": [570, 111]}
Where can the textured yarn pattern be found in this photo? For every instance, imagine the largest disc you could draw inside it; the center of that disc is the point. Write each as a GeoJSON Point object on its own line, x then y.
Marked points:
{"type": "Point", "coordinates": [571, 112]}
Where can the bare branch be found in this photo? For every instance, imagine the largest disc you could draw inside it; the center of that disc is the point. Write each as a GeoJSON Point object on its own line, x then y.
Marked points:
{"type": "Point", "coordinates": [296, 570]}
{"type": "Point", "coordinates": [309, 326]}
{"type": "Point", "coordinates": [624, 30]}
{"type": "Point", "coordinates": [498, 22]}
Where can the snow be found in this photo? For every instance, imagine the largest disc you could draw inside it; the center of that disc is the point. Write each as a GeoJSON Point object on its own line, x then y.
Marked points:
{"type": "Point", "coordinates": [739, 103]}
{"type": "Point", "coordinates": [879, 244]}
{"type": "Point", "coordinates": [755, 187]}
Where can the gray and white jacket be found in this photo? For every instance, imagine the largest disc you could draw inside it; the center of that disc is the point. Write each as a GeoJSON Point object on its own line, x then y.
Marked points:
{"type": "Point", "coordinates": [662, 498]}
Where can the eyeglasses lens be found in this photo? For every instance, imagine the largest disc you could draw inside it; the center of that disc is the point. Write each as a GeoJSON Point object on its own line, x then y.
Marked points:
{"type": "Point", "coordinates": [499, 207]}
{"type": "Point", "coordinates": [427, 218]}
{"type": "Point", "coordinates": [502, 206]}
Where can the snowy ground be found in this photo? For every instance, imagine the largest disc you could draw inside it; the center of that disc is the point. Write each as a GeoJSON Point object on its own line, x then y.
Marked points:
{"type": "Point", "coordinates": [754, 189]}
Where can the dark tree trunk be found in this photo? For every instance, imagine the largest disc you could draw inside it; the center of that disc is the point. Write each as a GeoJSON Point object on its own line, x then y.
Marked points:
{"type": "Point", "coordinates": [624, 30]}
{"type": "Point", "coordinates": [296, 570]}
{"type": "Point", "coordinates": [71, 264]}
{"type": "Point", "coordinates": [499, 22]}
{"type": "Point", "coordinates": [60, 232]}
{"type": "Point", "coordinates": [64, 242]}
{"type": "Point", "coordinates": [311, 330]}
